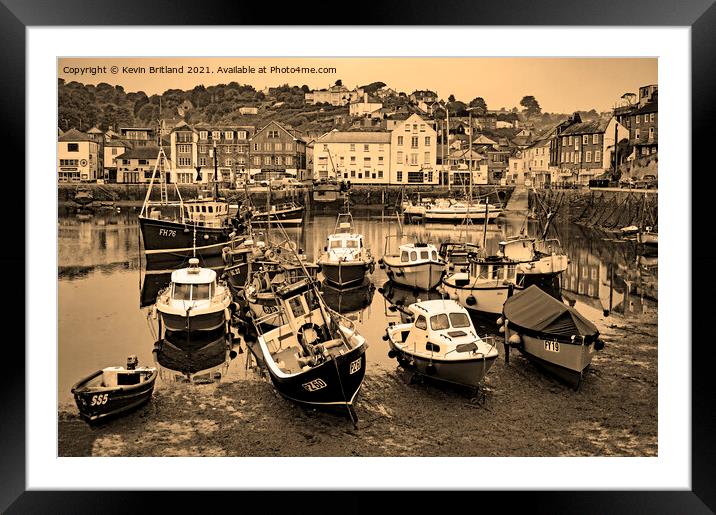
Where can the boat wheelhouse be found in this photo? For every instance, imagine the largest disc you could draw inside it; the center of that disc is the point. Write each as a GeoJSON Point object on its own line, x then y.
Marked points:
{"type": "Point", "coordinates": [485, 286]}
{"type": "Point", "coordinates": [540, 262]}
{"type": "Point", "coordinates": [345, 260]}
{"type": "Point", "coordinates": [415, 265]}
{"type": "Point", "coordinates": [441, 342]}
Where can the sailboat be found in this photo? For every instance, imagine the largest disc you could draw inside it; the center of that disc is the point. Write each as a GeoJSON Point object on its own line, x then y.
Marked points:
{"type": "Point", "coordinates": [201, 227]}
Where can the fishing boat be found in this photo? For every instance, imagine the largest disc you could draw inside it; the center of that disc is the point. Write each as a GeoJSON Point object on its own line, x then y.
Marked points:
{"type": "Point", "coordinates": [457, 254]}
{"type": "Point", "coordinates": [288, 214]}
{"type": "Point", "coordinates": [175, 230]}
{"type": "Point", "coordinates": [441, 342]}
{"type": "Point", "coordinates": [648, 237]}
{"type": "Point", "coordinates": [345, 260]}
{"type": "Point", "coordinates": [315, 358]}
{"type": "Point", "coordinates": [194, 301]}
{"type": "Point", "coordinates": [416, 265]}
{"type": "Point", "coordinates": [451, 211]}
{"type": "Point", "coordinates": [114, 390]}
{"type": "Point", "coordinates": [538, 262]}
{"type": "Point", "coordinates": [328, 190]}
{"type": "Point", "coordinates": [550, 333]}
{"type": "Point", "coordinates": [485, 286]}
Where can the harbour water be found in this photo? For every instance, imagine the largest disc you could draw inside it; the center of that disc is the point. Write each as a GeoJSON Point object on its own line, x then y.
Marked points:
{"type": "Point", "coordinates": [100, 274]}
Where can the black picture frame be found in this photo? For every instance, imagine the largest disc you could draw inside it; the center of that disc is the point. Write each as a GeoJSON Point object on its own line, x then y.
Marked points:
{"type": "Point", "coordinates": [699, 15]}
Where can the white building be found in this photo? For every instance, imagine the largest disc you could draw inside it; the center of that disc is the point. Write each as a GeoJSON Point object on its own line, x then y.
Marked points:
{"type": "Point", "coordinates": [536, 158]}
{"type": "Point", "coordinates": [112, 150]}
{"type": "Point", "coordinates": [365, 107]}
{"type": "Point", "coordinates": [362, 157]}
{"type": "Point", "coordinates": [334, 95]}
{"type": "Point", "coordinates": [77, 157]}
{"type": "Point", "coordinates": [248, 110]}
{"type": "Point", "coordinates": [413, 151]}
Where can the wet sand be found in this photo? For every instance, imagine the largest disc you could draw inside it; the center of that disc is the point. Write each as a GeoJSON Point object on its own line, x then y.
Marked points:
{"type": "Point", "coordinates": [525, 413]}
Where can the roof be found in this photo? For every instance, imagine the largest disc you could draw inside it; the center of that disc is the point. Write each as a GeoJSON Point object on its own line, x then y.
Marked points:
{"type": "Point", "coordinates": [355, 137]}
{"type": "Point", "coordinates": [118, 143]}
{"type": "Point", "coordinates": [141, 153]}
{"type": "Point", "coordinates": [460, 154]}
{"type": "Point", "coordinates": [204, 276]}
{"type": "Point", "coordinates": [94, 130]}
{"type": "Point", "coordinates": [593, 127]}
{"type": "Point", "coordinates": [535, 310]}
{"type": "Point", "coordinates": [437, 306]}
{"type": "Point", "coordinates": [75, 135]}
{"type": "Point", "coordinates": [650, 107]}
{"type": "Point", "coordinates": [482, 139]}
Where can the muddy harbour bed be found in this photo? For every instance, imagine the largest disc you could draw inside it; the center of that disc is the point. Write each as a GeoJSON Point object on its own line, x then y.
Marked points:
{"type": "Point", "coordinates": [525, 413]}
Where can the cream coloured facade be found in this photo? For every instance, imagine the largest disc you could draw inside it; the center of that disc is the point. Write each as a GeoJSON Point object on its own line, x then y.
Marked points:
{"type": "Point", "coordinates": [413, 152]}
{"type": "Point", "coordinates": [77, 157]}
{"type": "Point", "coordinates": [361, 157]}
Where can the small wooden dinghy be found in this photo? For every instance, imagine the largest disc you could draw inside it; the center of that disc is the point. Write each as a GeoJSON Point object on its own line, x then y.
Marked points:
{"type": "Point", "coordinates": [114, 390]}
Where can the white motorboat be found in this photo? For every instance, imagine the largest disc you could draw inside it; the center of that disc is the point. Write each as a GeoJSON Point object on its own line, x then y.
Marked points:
{"type": "Point", "coordinates": [345, 260]}
{"type": "Point", "coordinates": [416, 265]}
{"type": "Point", "coordinates": [485, 286]}
{"type": "Point", "coordinates": [450, 211]}
{"type": "Point", "coordinates": [441, 342]}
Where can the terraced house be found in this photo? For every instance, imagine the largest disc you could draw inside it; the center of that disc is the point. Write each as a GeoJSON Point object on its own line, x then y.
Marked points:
{"type": "Point", "coordinates": [362, 157]}
{"type": "Point", "coordinates": [78, 157]}
{"type": "Point", "coordinates": [277, 151]}
{"type": "Point", "coordinates": [413, 149]}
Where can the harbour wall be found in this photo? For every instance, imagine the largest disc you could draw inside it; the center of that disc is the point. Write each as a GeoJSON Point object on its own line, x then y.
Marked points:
{"type": "Point", "coordinates": [608, 209]}
{"type": "Point", "coordinates": [361, 195]}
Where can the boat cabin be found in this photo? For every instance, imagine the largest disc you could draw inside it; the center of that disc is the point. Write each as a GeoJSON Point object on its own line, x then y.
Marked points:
{"type": "Point", "coordinates": [193, 283]}
{"type": "Point", "coordinates": [417, 253]}
{"type": "Point", "coordinates": [120, 376]}
{"type": "Point", "coordinates": [439, 326]}
{"type": "Point", "coordinates": [519, 249]}
{"type": "Point", "coordinates": [206, 213]}
{"type": "Point", "coordinates": [499, 271]}
{"type": "Point", "coordinates": [345, 241]}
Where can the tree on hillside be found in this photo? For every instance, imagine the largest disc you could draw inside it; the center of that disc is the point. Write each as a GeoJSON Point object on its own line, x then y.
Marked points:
{"type": "Point", "coordinates": [451, 98]}
{"type": "Point", "coordinates": [480, 105]}
{"type": "Point", "coordinates": [305, 89]}
{"type": "Point", "coordinates": [531, 106]}
{"type": "Point", "coordinates": [339, 82]}
{"type": "Point", "coordinates": [373, 87]}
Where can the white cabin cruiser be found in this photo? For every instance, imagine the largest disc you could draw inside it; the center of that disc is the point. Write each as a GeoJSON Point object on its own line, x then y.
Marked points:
{"type": "Point", "coordinates": [194, 300]}
{"type": "Point", "coordinates": [345, 260]}
{"type": "Point", "coordinates": [441, 342]}
{"type": "Point", "coordinates": [416, 265]}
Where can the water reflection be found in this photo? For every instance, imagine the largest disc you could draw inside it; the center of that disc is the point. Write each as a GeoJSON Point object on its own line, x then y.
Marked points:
{"type": "Point", "coordinates": [100, 274]}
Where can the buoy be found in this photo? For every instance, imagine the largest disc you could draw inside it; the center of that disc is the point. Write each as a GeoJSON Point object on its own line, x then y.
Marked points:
{"type": "Point", "coordinates": [232, 354]}
{"type": "Point", "coordinates": [471, 300]}
{"type": "Point", "coordinates": [206, 236]}
{"type": "Point", "coordinates": [392, 353]}
{"type": "Point", "coordinates": [382, 266]}
{"type": "Point", "coordinates": [599, 345]}
{"type": "Point", "coordinates": [385, 337]}
{"type": "Point", "coordinates": [501, 329]}
{"type": "Point", "coordinates": [514, 339]}
{"type": "Point", "coordinates": [500, 321]}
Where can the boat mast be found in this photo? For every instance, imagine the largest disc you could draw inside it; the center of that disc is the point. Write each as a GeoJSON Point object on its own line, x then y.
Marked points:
{"type": "Point", "coordinates": [216, 165]}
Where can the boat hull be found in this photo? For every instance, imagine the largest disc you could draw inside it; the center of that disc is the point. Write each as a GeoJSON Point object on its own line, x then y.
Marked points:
{"type": "Point", "coordinates": [344, 274]}
{"type": "Point", "coordinates": [117, 401]}
{"type": "Point", "coordinates": [171, 355]}
{"type": "Point", "coordinates": [285, 217]}
{"type": "Point", "coordinates": [168, 244]}
{"type": "Point", "coordinates": [648, 238]}
{"type": "Point", "coordinates": [568, 364]}
{"type": "Point", "coordinates": [434, 215]}
{"type": "Point", "coordinates": [333, 384]}
{"type": "Point", "coordinates": [202, 322]}
{"type": "Point", "coordinates": [477, 298]}
{"type": "Point", "coordinates": [422, 276]}
{"type": "Point", "coordinates": [468, 372]}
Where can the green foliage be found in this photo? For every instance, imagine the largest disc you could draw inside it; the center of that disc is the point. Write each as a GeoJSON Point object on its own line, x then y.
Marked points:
{"type": "Point", "coordinates": [531, 106]}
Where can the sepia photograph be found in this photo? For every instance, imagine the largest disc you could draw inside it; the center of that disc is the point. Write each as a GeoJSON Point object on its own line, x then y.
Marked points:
{"type": "Point", "coordinates": [357, 256]}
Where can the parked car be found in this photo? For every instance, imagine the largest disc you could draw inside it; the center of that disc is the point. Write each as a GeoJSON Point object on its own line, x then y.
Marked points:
{"type": "Point", "coordinates": [647, 182]}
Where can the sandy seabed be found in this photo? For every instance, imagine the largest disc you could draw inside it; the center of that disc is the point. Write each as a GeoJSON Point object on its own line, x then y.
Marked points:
{"type": "Point", "coordinates": [525, 413]}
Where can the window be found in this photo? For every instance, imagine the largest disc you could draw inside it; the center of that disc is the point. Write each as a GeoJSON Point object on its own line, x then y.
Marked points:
{"type": "Point", "coordinates": [296, 307]}
{"type": "Point", "coordinates": [585, 139]}
{"type": "Point", "coordinates": [241, 134]}
{"type": "Point", "coordinates": [595, 139]}
{"type": "Point", "coordinates": [564, 140]}
{"type": "Point", "coordinates": [216, 135]}
{"type": "Point", "coordinates": [380, 174]}
{"type": "Point", "coordinates": [365, 148]}
{"type": "Point", "coordinates": [400, 140]}
{"type": "Point", "coordinates": [228, 134]}
{"type": "Point", "coordinates": [289, 160]}
{"type": "Point", "coordinates": [415, 177]}
{"type": "Point", "coordinates": [459, 320]}
{"type": "Point", "coordinates": [439, 322]}
{"type": "Point", "coordinates": [646, 118]}
{"type": "Point", "coordinates": [360, 175]}
{"type": "Point", "coordinates": [427, 141]}
{"type": "Point", "coordinates": [570, 140]}
{"type": "Point", "coordinates": [183, 137]}
{"type": "Point", "coordinates": [353, 159]}
{"type": "Point", "coordinates": [380, 159]}
{"type": "Point", "coordinates": [202, 161]}
{"type": "Point", "coordinates": [597, 156]}
{"type": "Point", "coordinates": [426, 157]}
{"type": "Point", "coordinates": [184, 161]}
{"type": "Point", "coordinates": [588, 156]}
{"type": "Point", "coordinates": [413, 255]}
{"type": "Point", "coordinates": [414, 142]}
{"type": "Point", "coordinates": [651, 132]}
{"type": "Point", "coordinates": [184, 149]}
{"type": "Point", "coordinates": [651, 117]}
{"type": "Point", "coordinates": [289, 146]}
{"type": "Point", "coordinates": [277, 160]}
{"type": "Point", "coordinates": [400, 157]}
{"type": "Point", "coordinates": [203, 134]}
{"type": "Point", "coordinates": [278, 147]}
{"type": "Point", "coordinates": [636, 134]}
{"type": "Point", "coordinates": [73, 147]}
{"type": "Point", "coordinates": [272, 134]}
{"type": "Point", "coordinates": [257, 161]}
{"type": "Point", "coordinates": [424, 254]}
{"type": "Point", "coordinates": [637, 120]}
{"type": "Point", "coordinates": [256, 147]}
{"type": "Point", "coordinates": [413, 159]}
{"type": "Point", "coordinates": [353, 147]}
{"type": "Point", "coordinates": [267, 160]}
{"type": "Point", "coordinates": [353, 174]}
{"type": "Point", "coordinates": [267, 146]}
{"type": "Point", "coordinates": [229, 162]}
{"type": "Point", "coordinates": [421, 323]}
{"type": "Point", "coordinates": [399, 176]}
{"type": "Point", "coordinates": [576, 143]}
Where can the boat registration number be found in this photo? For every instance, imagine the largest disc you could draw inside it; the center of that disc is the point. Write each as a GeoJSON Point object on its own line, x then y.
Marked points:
{"type": "Point", "coordinates": [355, 366]}
{"type": "Point", "coordinates": [314, 385]}
{"type": "Point", "coordinates": [98, 400]}
{"type": "Point", "coordinates": [552, 346]}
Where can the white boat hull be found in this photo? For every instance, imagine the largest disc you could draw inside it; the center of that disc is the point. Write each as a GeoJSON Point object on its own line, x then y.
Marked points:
{"type": "Point", "coordinates": [424, 276]}
{"type": "Point", "coordinates": [488, 297]}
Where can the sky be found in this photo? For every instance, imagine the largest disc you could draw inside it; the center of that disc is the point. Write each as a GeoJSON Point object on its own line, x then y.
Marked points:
{"type": "Point", "coordinates": [560, 85]}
